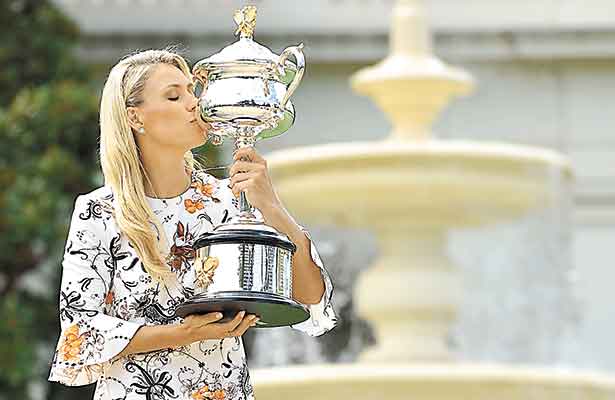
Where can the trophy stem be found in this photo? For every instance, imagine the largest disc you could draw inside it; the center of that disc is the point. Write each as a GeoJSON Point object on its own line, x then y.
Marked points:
{"type": "Point", "coordinates": [245, 138]}
{"type": "Point", "coordinates": [246, 211]}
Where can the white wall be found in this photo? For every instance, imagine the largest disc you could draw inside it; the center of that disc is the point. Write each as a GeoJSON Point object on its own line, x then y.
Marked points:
{"type": "Point", "coordinates": [335, 16]}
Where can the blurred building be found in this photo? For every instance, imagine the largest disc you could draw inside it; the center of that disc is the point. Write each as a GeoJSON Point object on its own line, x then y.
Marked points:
{"type": "Point", "coordinates": [545, 71]}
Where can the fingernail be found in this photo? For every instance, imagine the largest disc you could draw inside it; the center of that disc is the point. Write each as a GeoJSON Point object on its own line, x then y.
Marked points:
{"type": "Point", "coordinates": [218, 315]}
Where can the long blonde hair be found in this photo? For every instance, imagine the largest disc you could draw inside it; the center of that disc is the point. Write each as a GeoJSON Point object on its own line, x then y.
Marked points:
{"type": "Point", "coordinates": [120, 160]}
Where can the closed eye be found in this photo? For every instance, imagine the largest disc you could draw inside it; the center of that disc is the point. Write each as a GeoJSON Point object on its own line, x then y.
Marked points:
{"type": "Point", "coordinates": [174, 98]}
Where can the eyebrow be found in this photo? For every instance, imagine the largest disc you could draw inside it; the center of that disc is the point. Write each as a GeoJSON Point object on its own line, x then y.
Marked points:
{"type": "Point", "coordinates": [178, 85]}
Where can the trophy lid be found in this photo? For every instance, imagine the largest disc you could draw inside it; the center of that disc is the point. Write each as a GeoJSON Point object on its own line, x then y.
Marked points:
{"type": "Point", "coordinates": [245, 49]}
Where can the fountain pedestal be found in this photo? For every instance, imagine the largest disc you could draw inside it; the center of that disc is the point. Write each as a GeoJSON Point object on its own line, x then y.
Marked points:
{"type": "Point", "coordinates": [410, 194]}
{"type": "Point", "coordinates": [430, 382]}
{"type": "Point", "coordinates": [398, 294]}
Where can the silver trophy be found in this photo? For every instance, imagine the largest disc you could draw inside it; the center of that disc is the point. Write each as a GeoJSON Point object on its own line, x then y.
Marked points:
{"type": "Point", "coordinates": [243, 264]}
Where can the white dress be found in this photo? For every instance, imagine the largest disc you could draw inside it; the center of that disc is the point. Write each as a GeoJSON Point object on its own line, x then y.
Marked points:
{"type": "Point", "coordinates": [106, 295]}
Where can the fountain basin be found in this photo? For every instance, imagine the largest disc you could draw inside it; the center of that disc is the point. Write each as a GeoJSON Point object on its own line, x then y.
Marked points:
{"type": "Point", "coordinates": [448, 183]}
{"type": "Point", "coordinates": [430, 381]}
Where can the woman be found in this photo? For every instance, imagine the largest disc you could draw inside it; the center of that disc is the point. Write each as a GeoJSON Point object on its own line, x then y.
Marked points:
{"type": "Point", "coordinates": [128, 259]}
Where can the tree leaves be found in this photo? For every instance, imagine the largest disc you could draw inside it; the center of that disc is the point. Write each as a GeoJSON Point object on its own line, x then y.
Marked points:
{"type": "Point", "coordinates": [48, 152]}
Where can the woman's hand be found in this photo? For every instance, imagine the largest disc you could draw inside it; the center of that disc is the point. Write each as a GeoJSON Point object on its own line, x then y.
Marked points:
{"type": "Point", "coordinates": [250, 174]}
{"type": "Point", "coordinates": [203, 327]}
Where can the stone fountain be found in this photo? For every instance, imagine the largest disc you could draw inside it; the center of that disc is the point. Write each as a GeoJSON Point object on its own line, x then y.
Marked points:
{"type": "Point", "coordinates": [411, 190]}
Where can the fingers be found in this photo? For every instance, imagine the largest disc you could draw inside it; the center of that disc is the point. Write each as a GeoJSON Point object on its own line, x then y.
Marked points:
{"type": "Point", "coordinates": [238, 326]}
{"type": "Point", "coordinates": [201, 327]}
{"type": "Point", "coordinates": [203, 319]}
{"type": "Point", "coordinates": [232, 324]}
{"type": "Point", "coordinates": [242, 187]}
{"type": "Point", "coordinates": [240, 182]}
{"type": "Point", "coordinates": [245, 324]}
{"type": "Point", "coordinates": [245, 166]}
{"type": "Point", "coordinates": [240, 177]}
{"type": "Point", "coordinates": [249, 153]}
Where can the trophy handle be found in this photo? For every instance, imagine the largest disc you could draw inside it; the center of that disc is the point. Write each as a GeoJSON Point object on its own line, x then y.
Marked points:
{"type": "Point", "coordinates": [296, 51]}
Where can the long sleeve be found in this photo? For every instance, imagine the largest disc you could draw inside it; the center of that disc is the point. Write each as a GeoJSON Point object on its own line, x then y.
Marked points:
{"type": "Point", "coordinates": [322, 316]}
{"type": "Point", "coordinates": [90, 337]}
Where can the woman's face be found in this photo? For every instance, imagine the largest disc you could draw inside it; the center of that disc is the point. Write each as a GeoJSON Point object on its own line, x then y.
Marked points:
{"type": "Point", "coordinates": [167, 112]}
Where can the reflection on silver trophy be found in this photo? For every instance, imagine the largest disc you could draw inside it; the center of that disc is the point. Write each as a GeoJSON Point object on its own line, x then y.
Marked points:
{"type": "Point", "coordinates": [244, 93]}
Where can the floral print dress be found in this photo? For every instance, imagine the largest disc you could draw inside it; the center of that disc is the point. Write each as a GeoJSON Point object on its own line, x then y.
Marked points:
{"type": "Point", "coordinates": [106, 296]}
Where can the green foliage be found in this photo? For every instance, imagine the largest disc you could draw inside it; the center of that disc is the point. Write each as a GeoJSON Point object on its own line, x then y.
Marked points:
{"type": "Point", "coordinates": [36, 45]}
{"type": "Point", "coordinates": [17, 320]}
{"type": "Point", "coordinates": [48, 136]}
{"type": "Point", "coordinates": [48, 153]}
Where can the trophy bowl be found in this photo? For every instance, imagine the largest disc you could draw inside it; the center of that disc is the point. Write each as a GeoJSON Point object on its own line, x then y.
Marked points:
{"type": "Point", "coordinates": [243, 264]}
{"type": "Point", "coordinates": [245, 88]}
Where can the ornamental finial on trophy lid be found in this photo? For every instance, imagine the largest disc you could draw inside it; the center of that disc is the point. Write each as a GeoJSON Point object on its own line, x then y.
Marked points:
{"type": "Point", "coordinates": [246, 21]}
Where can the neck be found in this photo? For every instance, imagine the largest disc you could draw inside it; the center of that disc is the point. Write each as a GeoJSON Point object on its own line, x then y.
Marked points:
{"type": "Point", "coordinates": [167, 175]}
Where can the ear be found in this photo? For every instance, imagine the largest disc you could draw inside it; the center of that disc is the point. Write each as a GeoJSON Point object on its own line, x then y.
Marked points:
{"type": "Point", "coordinates": [134, 118]}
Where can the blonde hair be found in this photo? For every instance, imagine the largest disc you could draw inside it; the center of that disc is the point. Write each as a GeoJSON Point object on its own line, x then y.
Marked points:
{"type": "Point", "coordinates": [120, 160]}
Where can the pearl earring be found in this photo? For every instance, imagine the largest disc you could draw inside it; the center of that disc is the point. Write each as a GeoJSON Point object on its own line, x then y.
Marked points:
{"type": "Point", "coordinates": [141, 130]}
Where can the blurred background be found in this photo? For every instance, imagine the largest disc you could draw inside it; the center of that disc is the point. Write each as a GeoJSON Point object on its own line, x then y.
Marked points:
{"type": "Point", "coordinates": [538, 287]}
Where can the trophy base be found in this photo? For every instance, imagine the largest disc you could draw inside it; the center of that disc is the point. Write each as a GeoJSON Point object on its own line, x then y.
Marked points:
{"type": "Point", "coordinates": [273, 310]}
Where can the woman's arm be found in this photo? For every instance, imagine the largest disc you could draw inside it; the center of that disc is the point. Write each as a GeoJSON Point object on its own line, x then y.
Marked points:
{"type": "Point", "coordinates": [195, 328]}
{"type": "Point", "coordinates": [312, 286]}
{"type": "Point", "coordinates": [250, 174]}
